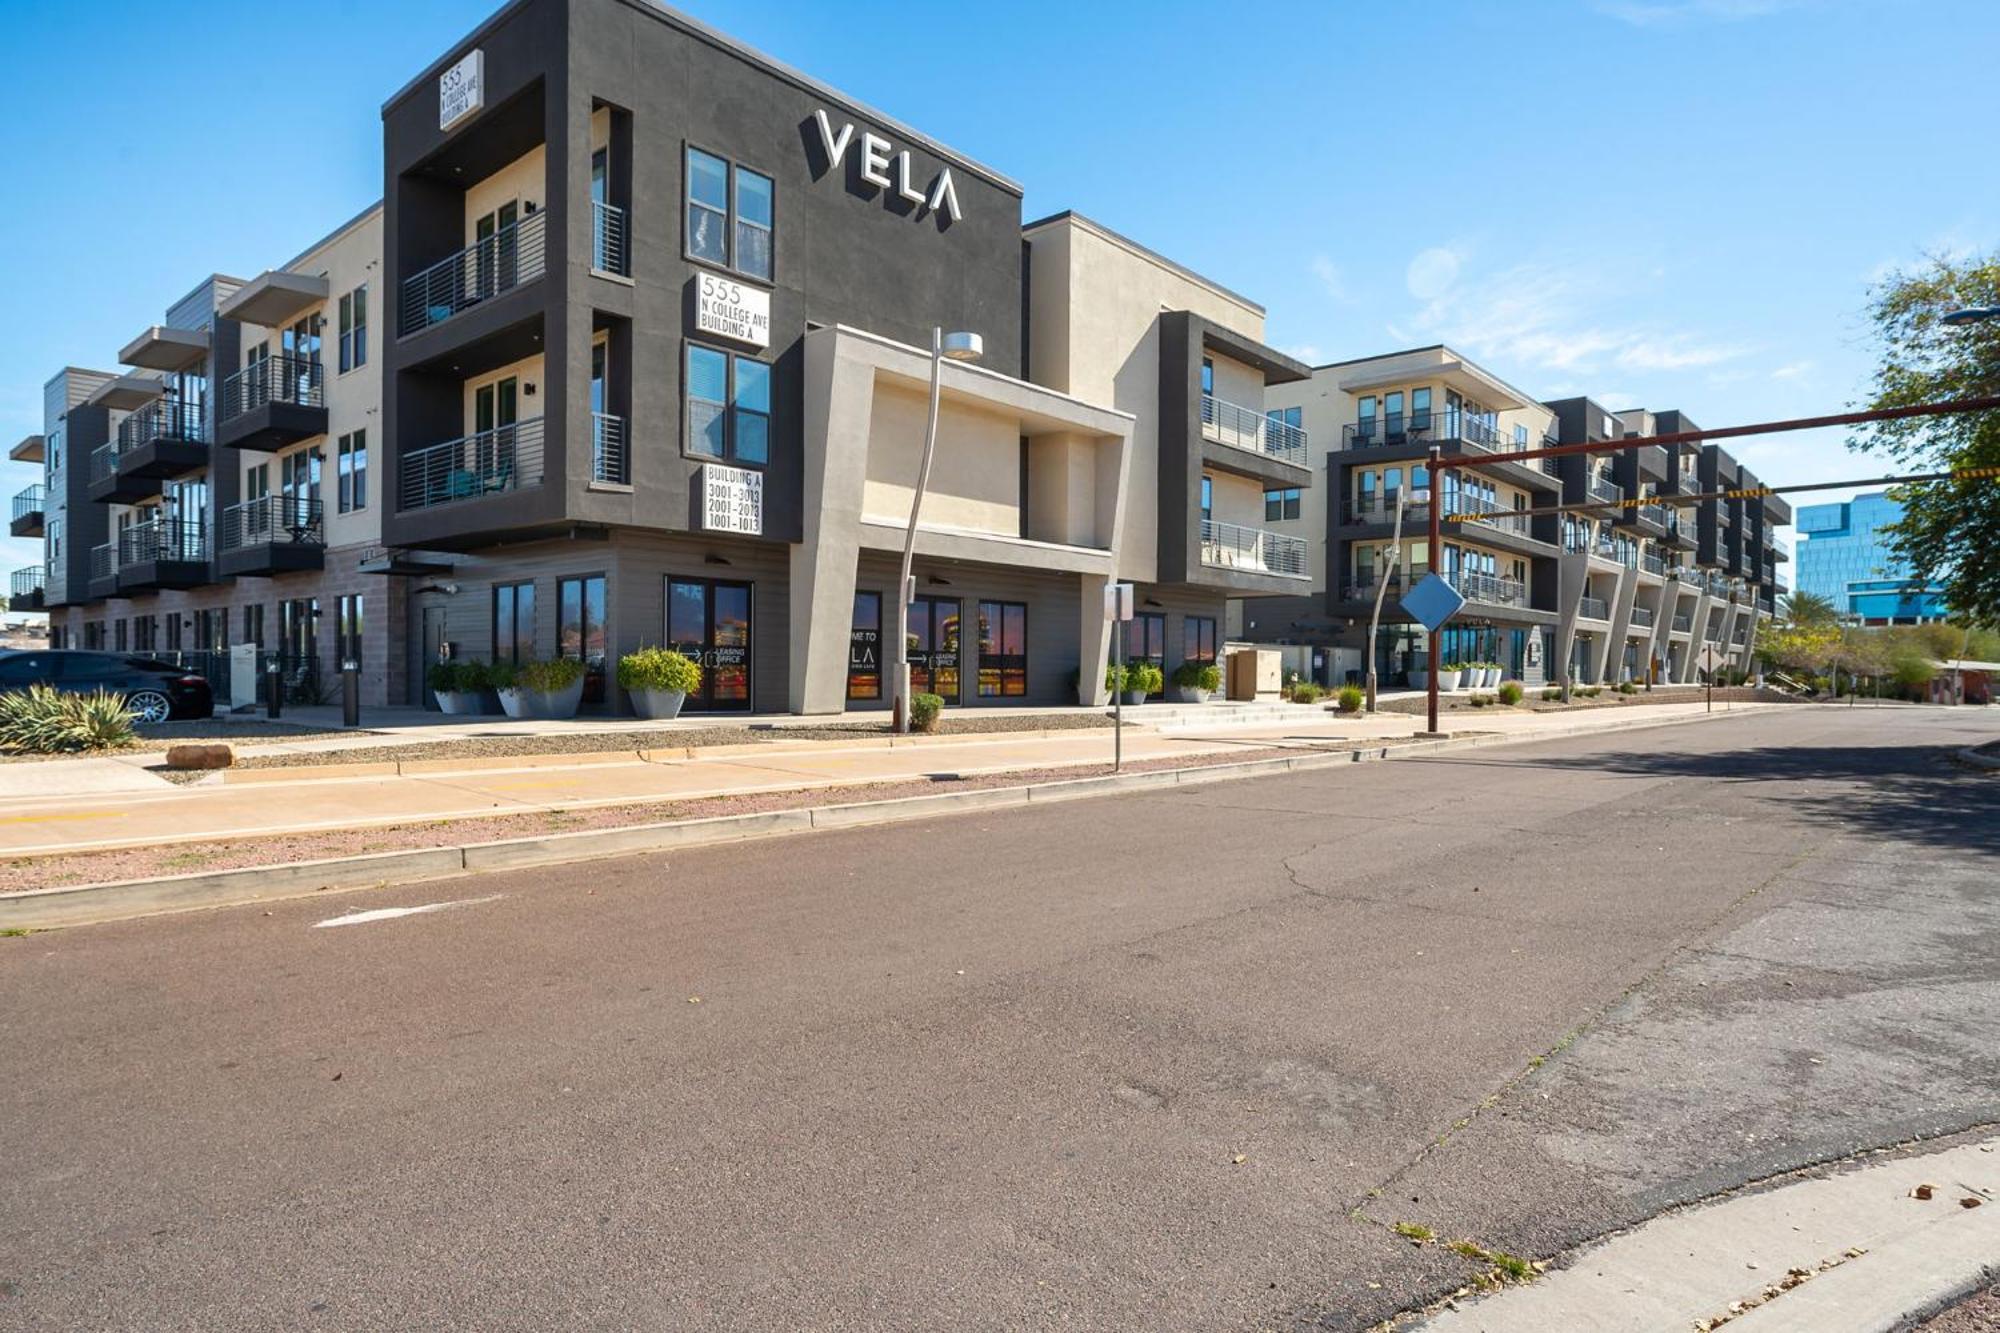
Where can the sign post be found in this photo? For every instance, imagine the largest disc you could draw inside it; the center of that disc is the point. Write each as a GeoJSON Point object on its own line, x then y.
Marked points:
{"type": "Point", "coordinates": [1430, 603]}
{"type": "Point", "coordinates": [1118, 607]}
{"type": "Point", "coordinates": [1710, 661]}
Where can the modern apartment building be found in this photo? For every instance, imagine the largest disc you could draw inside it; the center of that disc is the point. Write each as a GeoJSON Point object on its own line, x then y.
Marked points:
{"type": "Point", "coordinates": [1844, 558]}
{"type": "Point", "coordinates": [625, 359]}
{"type": "Point", "coordinates": [1605, 593]}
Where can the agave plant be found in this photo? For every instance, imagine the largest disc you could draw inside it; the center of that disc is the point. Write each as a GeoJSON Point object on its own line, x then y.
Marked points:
{"type": "Point", "coordinates": [40, 720]}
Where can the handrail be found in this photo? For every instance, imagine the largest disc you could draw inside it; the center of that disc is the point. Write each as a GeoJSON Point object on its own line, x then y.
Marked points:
{"type": "Point", "coordinates": [1642, 615]}
{"type": "Point", "coordinates": [297, 380]}
{"type": "Point", "coordinates": [285, 519]}
{"type": "Point", "coordinates": [104, 461]}
{"type": "Point", "coordinates": [162, 539]}
{"type": "Point", "coordinates": [607, 238]}
{"type": "Point", "coordinates": [1488, 588]}
{"type": "Point", "coordinates": [30, 500]}
{"type": "Point", "coordinates": [30, 580]}
{"type": "Point", "coordinates": [1593, 608]}
{"type": "Point", "coordinates": [1246, 428]}
{"type": "Point", "coordinates": [513, 255]}
{"type": "Point", "coordinates": [608, 460]}
{"type": "Point", "coordinates": [163, 419]}
{"type": "Point", "coordinates": [505, 458]}
{"type": "Point", "coordinates": [104, 560]}
{"type": "Point", "coordinates": [1232, 546]}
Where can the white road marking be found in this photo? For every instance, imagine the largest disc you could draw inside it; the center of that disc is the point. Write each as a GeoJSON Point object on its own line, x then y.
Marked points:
{"type": "Point", "coordinates": [390, 913]}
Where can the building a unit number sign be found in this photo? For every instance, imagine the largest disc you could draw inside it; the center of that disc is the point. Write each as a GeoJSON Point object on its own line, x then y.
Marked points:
{"type": "Point", "coordinates": [732, 499]}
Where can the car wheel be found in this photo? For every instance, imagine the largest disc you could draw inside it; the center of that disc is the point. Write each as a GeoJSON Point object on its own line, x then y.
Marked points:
{"type": "Point", "coordinates": [148, 706]}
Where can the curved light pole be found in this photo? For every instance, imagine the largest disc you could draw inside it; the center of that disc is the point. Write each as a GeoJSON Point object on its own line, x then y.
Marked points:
{"type": "Point", "coordinates": [1413, 496]}
{"type": "Point", "coordinates": [966, 347]}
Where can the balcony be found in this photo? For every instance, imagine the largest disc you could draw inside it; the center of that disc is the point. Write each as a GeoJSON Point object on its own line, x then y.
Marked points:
{"type": "Point", "coordinates": [29, 590]}
{"type": "Point", "coordinates": [1642, 617]}
{"type": "Point", "coordinates": [161, 553]}
{"type": "Point", "coordinates": [1362, 589]}
{"type": "Point", "coordinates": [1654, 514]}
{"type": "Point", "coordinates": [1488, 588]}
{"type": "Point", "coordinates": [1597, 490]}
{"type": "Point", "coordinates": [164, 439]}
{"type": "Point", "coordinates": [1690, 578]}
{"type": "Point", "coordinates": [1653, 562]}
{"type": "Point", "coordinates": [491, 462]}
{"type": "Point", "coordinates": [607, 239]}
{"type": "Point", "coordinates": [272, 403]}
{"type": "Point", "coordinates": [510, 257]}
{"type": "Point", "coordinates": [1485, 517]}
{"type": "Point", "coordinates": [1252, 550]}
{"type": "Point", "coordinates": [1250, 430]}
{"type": "Point", "coordinates": [1682, 624]}
{"type": "Point", "coordinates": [104, 571]}
{"type": "Point", "coordinates": [1593, 608]}
{"type": "Point", "coordinates": [273, 534]}
{"type": "Point", "coordinates": [609, 463]}
{"type": "Point", "coordinates": [30, 509]}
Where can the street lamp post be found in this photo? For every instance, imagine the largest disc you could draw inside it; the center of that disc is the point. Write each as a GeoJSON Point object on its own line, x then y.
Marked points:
{"type": "Point", "coordinates": [966, 347]}
{"type": "Point", "coordinates": [1412, 496]}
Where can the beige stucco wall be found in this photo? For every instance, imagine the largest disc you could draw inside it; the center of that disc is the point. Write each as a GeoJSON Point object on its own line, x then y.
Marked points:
{"type": "Point", "coordinates": [975, 481]}
{"type": "Point", "coordinates": [524, 179]}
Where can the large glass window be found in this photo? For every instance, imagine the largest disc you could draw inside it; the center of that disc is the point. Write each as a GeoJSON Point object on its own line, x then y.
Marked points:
{"type": "Point", "coordinates": [354, 329]}
{"type": "Point", "coordinates": [728, 406]}
{"type": "Point", "coordinates": [353, 471]}
{"type": "Point", "coordinates": [1420, 409]}
{"type": "Point", "coordinates": [347, 627]}
{"type": "Point", "coordinates": [731, 215]}
{"type": "Point", "coordinates": [864, 648]}
{"type": "Point", "coordinates": [1003, 650]}
{"type": "Point", "coordinates": [1282, 504]}
{"type": "Point", "coordinates": [707, 207]}
{"type": "Point", "coordinates": [1146, 641]}
{"type": "Point", "coordinates": [1198, 639]}
{"type": "Point", "coordinates": [753, 223]}
{"type": "Point", "coordinates": [580, 629]}
{"type": "Point", "coordinates": [513, 622]}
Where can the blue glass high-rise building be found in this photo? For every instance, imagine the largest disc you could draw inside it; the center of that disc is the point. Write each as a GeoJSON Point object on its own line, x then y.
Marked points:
{"type": "Point", "coordinates": [1844, 558]}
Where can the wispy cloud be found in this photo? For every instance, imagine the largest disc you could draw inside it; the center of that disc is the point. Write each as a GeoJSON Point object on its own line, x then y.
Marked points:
{"type": "Point", "coordinates": [1306, 352]}
{"type": "Point", "coordinates": [1792, 370]}
{"type": "Point", "coordinates": [1540, 316]}
{"type": "Point", "coordinates": [1332, 280]}
{"type": "Point", "coordinates": [1676, 13]}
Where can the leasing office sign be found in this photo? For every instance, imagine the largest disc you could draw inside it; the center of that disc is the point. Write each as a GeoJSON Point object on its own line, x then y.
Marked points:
{"type": "Point", "coordinates": [462, 90]}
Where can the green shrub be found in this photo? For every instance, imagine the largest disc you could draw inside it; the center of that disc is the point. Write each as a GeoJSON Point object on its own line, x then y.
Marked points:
{"type": "Point", "coordinates": [1481, 700]}
{"type": "Point", "coordinates": [924, 710]}
{"type": "Point", "coordinates": [1510, 692]}
{"type": "Point", "coordinates": [1305, 692]}
{"type": "Point", "coordinates": [1591, 691]}
{"type": "Point", "coordinates": [1350, 699]}
{"type": "Point", "coordinates": [457, 677]}
{"type": "Point", "coordinates": [544, 676]}
{"type": "Point", "coordinates": [1114, 677]}
{"type": "Point", "coordinates": [1145, 677]}
{"type": "Point", "coordinates": [500, 675]}
{"type": "Point", "coordinates": [39, 720]}
{"type": "Point", "coordinates": [659, 669]}
{"type": "Point", "coordinates": [1551, 694]}
{"type": "Point", "coordinates": [1198, 676]}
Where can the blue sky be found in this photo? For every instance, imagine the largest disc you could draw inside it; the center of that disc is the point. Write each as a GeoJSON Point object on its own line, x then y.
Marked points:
{"type": "Point", "coordinates": [1665, 203]}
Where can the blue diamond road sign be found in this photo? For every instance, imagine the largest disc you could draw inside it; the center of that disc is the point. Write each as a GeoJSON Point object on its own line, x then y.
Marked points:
{"type": "Point", "coordinates": [1433, 601]}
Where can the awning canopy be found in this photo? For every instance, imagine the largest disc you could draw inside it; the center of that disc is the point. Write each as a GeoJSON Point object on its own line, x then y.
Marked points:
{"type": "Point", "coordinates": [275, 297]}
{"type": "Point", "coordinates": [125, 392]}
{"type": "Point", "coordinates": [163, 348]}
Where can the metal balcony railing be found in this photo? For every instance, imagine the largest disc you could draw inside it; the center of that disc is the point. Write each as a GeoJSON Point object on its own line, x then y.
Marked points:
{"type": "Point", "coordinates": [1653, 563]}
{"type": "Point", "coordinates": [481, 271]}
{"type": "Point", "coordinates": [296, 380]}
{"type": "Point", "coordinates": [163, 419]}
{"type": "Point", "coordinates": [1490, 516]}
{"type": "Point", "coordinates": [162, 539]}
{"type": "Point", "coordinates": [506, 458]}
{"type": "Point", "coordinates": [1593, 608]}
{"type": "Point", "coordinates": [1654, 514]}
{"type": "Point", "coordinates": [1246, 428]}
{"type": "Point", "coordinates": [1712, 631]}
{"type": "Point", "coordinates": [288, 519]}
{"type": "Point", "coordinates": [1231, 546]}
{"type": "Point", "coordinates": [29, 581]}
{"type": "Point", "coordinates": [30, 501]}
{"type": "Point", "coordinates": [607, 239]}
{"type": "Point", "coordinates": [1597, 488]}
{"type": "Point", "coordinates": [1691, 577]}
{"type": "Point", "coordinates": [104, 461]}
{"type": "Point", "coordinates": [1489, 588]}
{"type": "Point", "coordinates": [104, 560]}
{"type": "Point", "coordinates": [1642, 617]}
{"type": "Point", "coordinates": [1682, 624]}
{"type": "Point", "coordinates": [1382, 509]}
{"type": "Point", "coordinates": [608, 460]}
{"type": "Point", "coordinates": [1363, 590]}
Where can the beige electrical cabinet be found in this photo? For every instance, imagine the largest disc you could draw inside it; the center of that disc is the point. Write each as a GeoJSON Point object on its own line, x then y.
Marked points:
{"type": "Point", "coordinates": [1255, 673]}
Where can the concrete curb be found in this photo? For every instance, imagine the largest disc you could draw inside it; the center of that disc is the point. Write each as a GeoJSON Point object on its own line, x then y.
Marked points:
{"type": "Point", "coordinates": [1971, 755]}
{"type": "Point", "coordinates": [84, 904]}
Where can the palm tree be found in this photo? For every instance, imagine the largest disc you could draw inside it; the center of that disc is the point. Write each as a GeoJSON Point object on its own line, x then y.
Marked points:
{"type": "Point", "coordinates": [1806, 608]}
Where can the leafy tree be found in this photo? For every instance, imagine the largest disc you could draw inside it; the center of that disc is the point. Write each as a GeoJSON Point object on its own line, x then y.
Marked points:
{"type": "Point", "coordinates": [1950, 530]}
{"type": "Point", "coordinates": [1809, 608]}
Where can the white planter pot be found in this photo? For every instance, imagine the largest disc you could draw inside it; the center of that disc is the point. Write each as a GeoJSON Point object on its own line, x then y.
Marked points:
{"type": "Point", "coordinates": [458, 703]}
{"type": "Point", "coordinates": [1448, 680]}
{"type": "Point", "coordinates": [660, 705]}
{"type": "Point", "coordinates": [1190, 694]}
{"type": "Point", "coordinates": [1134, 697]}
{"type": "Point", "coordinates": [1492, 677]}
{"type": "Point", "coordinates": [521, 703]}
{"type": "Point", "coordinates": [1420, 678]}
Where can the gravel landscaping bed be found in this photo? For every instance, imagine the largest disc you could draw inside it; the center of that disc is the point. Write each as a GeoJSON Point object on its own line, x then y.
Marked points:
{"type": "Point", "coordinates": [160, 735]}
{"type": "Point", "coordinates": [56, 870]}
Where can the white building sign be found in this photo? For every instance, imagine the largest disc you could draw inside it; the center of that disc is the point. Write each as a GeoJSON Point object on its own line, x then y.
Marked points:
{"type": "Point", "coordinates": [887, 169]}
{"type": "Point", "coordinates": [462, 90]}
{"type": "Point", "coordinates": [728, 309]}
{"type": "Point", "coordinates": [732, 499]}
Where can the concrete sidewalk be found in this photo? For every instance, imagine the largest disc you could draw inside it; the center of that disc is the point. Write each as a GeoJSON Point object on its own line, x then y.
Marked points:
{"type": "Point", "coordinates": [1854, 1252]}
{"type": "Point", "coordinates": [256, 802]}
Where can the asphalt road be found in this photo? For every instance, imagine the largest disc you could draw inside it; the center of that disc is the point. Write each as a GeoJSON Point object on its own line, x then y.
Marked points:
{"type": "Point", "coordinates": [1172, 1060]}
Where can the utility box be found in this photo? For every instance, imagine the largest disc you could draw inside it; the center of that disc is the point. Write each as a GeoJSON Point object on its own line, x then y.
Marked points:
{"type": "Point", "coordinates": [1255, 673]}
{"type": "Point", "coordinates": [243, 683]}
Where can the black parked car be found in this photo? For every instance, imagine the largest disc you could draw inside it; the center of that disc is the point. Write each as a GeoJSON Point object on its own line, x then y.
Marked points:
{"type": "Point", "coordinates": [155, 690]}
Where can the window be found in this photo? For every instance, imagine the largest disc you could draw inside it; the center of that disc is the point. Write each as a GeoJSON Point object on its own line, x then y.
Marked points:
{"type": "Point", "coordinates": [142, 634]}
{"type": "Point", "coordinates": [347, 627]}
{"type": "Point", "coordinates": [354, 329]}
{"type": "Point", "coordinates": [298, 643]}
{"type": "Point", "coordinates": [174, 643]}
{"type": "Point", "coordinates": [257, 482]}
{"type": "Point", "coordinates": [55, 537]}
{"type": "Point", "coordinates": [1003, 650]}
{"type": "Point", "coordinates": [864, 641]}
{"type": "Point", "coordinates": [1146, 641]}
{"type": "Point", "coordinates": [1207, 378]}
{"type": "Point", "coordinates": [353, 471]}
{"type": "Point", "coordinates": [580, 629]}
{"type": "Point", "coordinates": [1198, 639]}
{"type": "Point", "coordinates": [1364, 424]}
{"type": "Point", "coordinates": [253, 626]}
{"type": "Point", "coordinates": [718, 193]}
{"type": "Point", "coordinates": [1286, 416]}
{"type": "Point", "coordinates": [1520, 437]}
{"type": "Point", "coordinates": [1207, 498]}
{"type": "Point", "coordinates": [728, 406]}
{"type": "Point", "coordinates": [513, 622]}
{"type": "Point", "coordinates": [211, 631]}
{"type": "Point", "coordinates": [1280, 505]}
{"type": "Point", "coordinates": [298, 476]}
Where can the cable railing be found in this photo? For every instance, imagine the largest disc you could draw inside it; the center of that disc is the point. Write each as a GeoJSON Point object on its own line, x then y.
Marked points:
{"type": "Point", "coordinates": [608, 459]}
{"type": "Point", "coordinates": [1491, 588]}
{"type": "Point", "coordinates": [31, 500]}
{"type": "Point", "coordinates": [489, 266]}
{"type": "Point", "coordinates": [162, 539]}
{"type": "Point", "coordinates": [489, 462]}
{"type": "Point", "coordinates": [163, 419]}
{"type": "Point", "coordinates": [607, 238]}
{"type": "Point", "coordinates": [296, 380]}
{"type": "Point", "coordinates": [1593, 608]}
{"type": "Point", "coordinates": [1246, 428]}
{"type": "Point", "coordinates": [288, 519]}
{"type": "Point", "coordinates": [1232, 546]}
{"type": "Point", "coordinates": [29, 582]}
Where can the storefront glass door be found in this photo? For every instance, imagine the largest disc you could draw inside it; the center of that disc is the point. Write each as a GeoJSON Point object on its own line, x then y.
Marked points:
{"type": "Point", "coordinates": [709, 621]}
{"type": "Point", "coordinates": [934, 647]}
